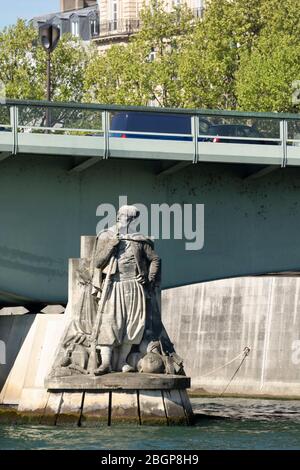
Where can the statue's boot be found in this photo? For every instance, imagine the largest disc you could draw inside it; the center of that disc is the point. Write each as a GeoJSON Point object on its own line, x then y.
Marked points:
{"type": "Point", "coordinates": [106, 356]}
{"type": "Point", "coordinates": [123, 354]}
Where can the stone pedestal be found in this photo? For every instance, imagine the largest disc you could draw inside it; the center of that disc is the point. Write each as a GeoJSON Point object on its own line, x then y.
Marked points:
{"type": "Point", "coordinates": [141, 399]}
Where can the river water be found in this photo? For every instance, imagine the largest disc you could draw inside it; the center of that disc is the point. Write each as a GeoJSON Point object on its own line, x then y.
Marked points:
{"type": "Point", "coordinates": [223, 424]}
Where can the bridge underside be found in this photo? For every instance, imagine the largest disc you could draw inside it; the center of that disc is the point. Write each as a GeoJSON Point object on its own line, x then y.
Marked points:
{"type": "Point", "coordinates": [251, 223]}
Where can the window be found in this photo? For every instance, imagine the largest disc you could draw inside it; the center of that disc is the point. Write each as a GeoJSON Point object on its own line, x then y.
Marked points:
{"type": "Point", "coordinates": [152, 54]}
{"type": "Point", "coordinates": [94, 27]}
{"type": "Point", "coordinates": [75, 28]}
{"type": "Point", "coordinates": [114, 15]}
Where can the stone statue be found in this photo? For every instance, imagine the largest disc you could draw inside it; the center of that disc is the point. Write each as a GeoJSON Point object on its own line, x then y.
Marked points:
{"type": "Point", "coordinates": [117, 326]}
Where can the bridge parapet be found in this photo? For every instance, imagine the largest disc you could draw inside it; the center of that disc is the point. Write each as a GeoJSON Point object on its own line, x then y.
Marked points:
{"type": "Point", "coordinates": [188, 135]}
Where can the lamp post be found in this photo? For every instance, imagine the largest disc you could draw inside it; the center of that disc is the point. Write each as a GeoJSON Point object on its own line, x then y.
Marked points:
{"type": "Point", "coordinates": [49, 38]}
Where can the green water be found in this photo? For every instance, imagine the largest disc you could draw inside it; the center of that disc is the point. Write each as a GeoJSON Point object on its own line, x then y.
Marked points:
{"type": "Point", "coordinates": [224, 424]}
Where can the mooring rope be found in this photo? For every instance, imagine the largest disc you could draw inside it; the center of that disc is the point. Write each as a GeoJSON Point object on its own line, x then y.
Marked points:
{"type": "Point", "coordinates": [244, 353]}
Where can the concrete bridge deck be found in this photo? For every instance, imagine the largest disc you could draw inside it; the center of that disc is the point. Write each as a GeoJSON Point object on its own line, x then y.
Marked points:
{"type": "Point", "coordinates": [54, 177]}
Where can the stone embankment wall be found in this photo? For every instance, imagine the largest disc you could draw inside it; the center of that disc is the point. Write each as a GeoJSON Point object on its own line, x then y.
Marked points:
{"type": "Point", "coordinates": [210, 324]}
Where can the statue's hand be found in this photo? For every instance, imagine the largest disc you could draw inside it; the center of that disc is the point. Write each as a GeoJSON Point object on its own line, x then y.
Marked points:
{"type": "Point", "coordinates": [115, 240]}
{"type": "Point", "coordinates": [141, 279]}
{"type": "Point", "coordinates": [151, 280]}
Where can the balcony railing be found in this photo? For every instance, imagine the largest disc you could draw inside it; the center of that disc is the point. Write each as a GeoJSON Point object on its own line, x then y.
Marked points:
{"type": "Point", "coordinates": [127, 26]}
{"type": "Point", "coordinates": [117, 27]}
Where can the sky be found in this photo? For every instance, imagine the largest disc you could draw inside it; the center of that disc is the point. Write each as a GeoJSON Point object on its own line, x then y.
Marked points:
{"type": "Point", "coordinates": [13, 9]}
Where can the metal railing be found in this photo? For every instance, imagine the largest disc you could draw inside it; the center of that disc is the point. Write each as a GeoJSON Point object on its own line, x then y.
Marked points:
{"type": "Point", "coordinates": [188, 134]}
{"type": "Point", "coordinates": [120, 26]}
{"type": "Point", "coordinates": [128, 25]}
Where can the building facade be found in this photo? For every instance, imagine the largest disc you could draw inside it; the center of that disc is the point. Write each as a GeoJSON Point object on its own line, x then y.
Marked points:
{"type": "Point", "coordinates": [78, 17]}
{"type": "Point", "coordinates": [105, 21]}
{"type": "Point", "coordinates": [119, 19]}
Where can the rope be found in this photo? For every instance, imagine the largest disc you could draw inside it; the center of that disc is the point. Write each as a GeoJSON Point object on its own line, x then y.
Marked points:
{"type": "Point", "coordinates": [230, 362]}
{"type": "Point", "coordinates": [246, 353]}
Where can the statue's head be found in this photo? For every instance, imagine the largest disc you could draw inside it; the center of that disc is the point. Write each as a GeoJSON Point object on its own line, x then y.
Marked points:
{"type": "Point", "coordinates": [126, 215]}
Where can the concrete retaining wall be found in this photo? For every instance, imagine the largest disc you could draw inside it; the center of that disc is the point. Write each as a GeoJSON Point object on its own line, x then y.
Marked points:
{"type": "Point", "coordinates": [211, 323]}
{"type": "Point", "coordinates": [30, 348]}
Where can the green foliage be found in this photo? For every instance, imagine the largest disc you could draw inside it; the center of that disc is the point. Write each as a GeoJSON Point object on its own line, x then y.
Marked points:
{"type": "Point", "coordinates": [18, 62]}
{"type": "Point", "coordinates": [264, 81]}
{"type": "Point", "coordinates": [23, 65]}
{"type": "Point", "coordinates": [209, 64]}
{"type": "Point", "coordinates": [244, 54]}
{"type": "Point", "coordinates": [266, 76]}
{"type": "Point", "coordinates": [127, 75]}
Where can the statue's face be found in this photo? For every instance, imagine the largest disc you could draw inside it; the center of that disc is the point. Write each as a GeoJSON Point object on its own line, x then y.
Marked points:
{"type": "Point", "coordinates": [124, 220]}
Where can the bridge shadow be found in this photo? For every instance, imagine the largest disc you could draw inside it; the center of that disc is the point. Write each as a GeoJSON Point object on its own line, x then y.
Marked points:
{"type": "Point", "coordinates": [13, 332]}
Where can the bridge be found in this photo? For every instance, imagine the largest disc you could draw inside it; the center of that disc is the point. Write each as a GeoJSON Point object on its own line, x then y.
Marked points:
{"type": "Point", "coordinates": [83, 130]}
{"type": "Point", "coordinates": [60, 161]}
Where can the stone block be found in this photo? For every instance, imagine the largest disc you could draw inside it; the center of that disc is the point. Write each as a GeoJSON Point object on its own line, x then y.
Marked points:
{"type": "Point", "coordinates": [124, 407]}
{"type": "Point", "coordinates": [13, 311]}
{"type": "Point", "coordinates": [152, 409]}
{"type": "Point", "coordinates": [52, 408]}
{"type": "Point", "coordinates": [33, 402]}
{"type": "Point", "coordinates": [53, 310]}
{"type": "Point", "coordinates": [95, 409]}
{"type": "Point", "coordinates": [70, 410]}
{"type": "Point", "coordinates": [18, 334]}
{"type": "Point", "coordinates": [119, 380]}
{"type": "Point", "coordinates": [174, 407]}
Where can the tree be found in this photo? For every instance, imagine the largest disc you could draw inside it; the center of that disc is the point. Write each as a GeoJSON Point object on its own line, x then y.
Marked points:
{"type": "Point", "coordinates": [208, 67]}
{"type": "Point", "coordinates": [147, 69]}
{"type": "Point", "coordinates": [18, 62]}
{"type": "Point", "coordinates": [115, 77]}
{"type": "Point", "coordinates": [266, 76]}
{"type": "Point", "coordinates": [23, 65]}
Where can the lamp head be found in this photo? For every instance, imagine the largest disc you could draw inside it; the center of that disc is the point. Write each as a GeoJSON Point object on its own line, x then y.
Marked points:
{"type": "Point", "coordinates": [49, 36]}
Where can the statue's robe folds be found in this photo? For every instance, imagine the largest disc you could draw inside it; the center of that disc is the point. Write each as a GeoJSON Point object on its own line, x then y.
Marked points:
{"type": "Point", "coordinates": [123, 317]}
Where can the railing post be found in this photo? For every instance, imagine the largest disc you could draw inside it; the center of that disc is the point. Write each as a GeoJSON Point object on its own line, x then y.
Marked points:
{"type": "Point", "coordinates": [283, 137]}
{"type": "Point", "coordinates": [105, 126]}
{"type": "Point", "coordinates": [14, 121]}
{"type": "Point", "coordinates": [195, 133]}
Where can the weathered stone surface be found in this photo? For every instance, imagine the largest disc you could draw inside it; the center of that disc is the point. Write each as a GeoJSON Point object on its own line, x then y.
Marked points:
{"type": "Point", "coordinates": [70, 410]}
{"type": "Point", "coordinates": [53, 310]}
{"type": "Point", "coordinates": [33, 362]}
{"type": "Point", "coordinates": [118, 381]}
{"type": "Point", "coordinates": [227, 315]}
{"type": "Point", "coordinates": [124, 407]}
{"type": "Point", "coordinates": [95, 409]}
{"type": "Point", "coordinates": [174, 407]}
{"type": "Point", "coordinates": [13, 311]}
{"type": "Point", "coordinates": [152, 409]}
{"type": "Point", "coordinates": [19, 341]}
{"type": "Point", "coordinates": [187, 406]}
{"type": "Point", "coordinates": [33, 401]}
{"type": "Point", "coordinates": [86, 246]}
{"type": "Point", "coordinates": [52, 408]}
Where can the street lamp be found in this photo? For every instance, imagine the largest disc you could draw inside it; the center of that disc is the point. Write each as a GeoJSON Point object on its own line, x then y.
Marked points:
{"type": "Point", "coordinates": [49, 37]}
